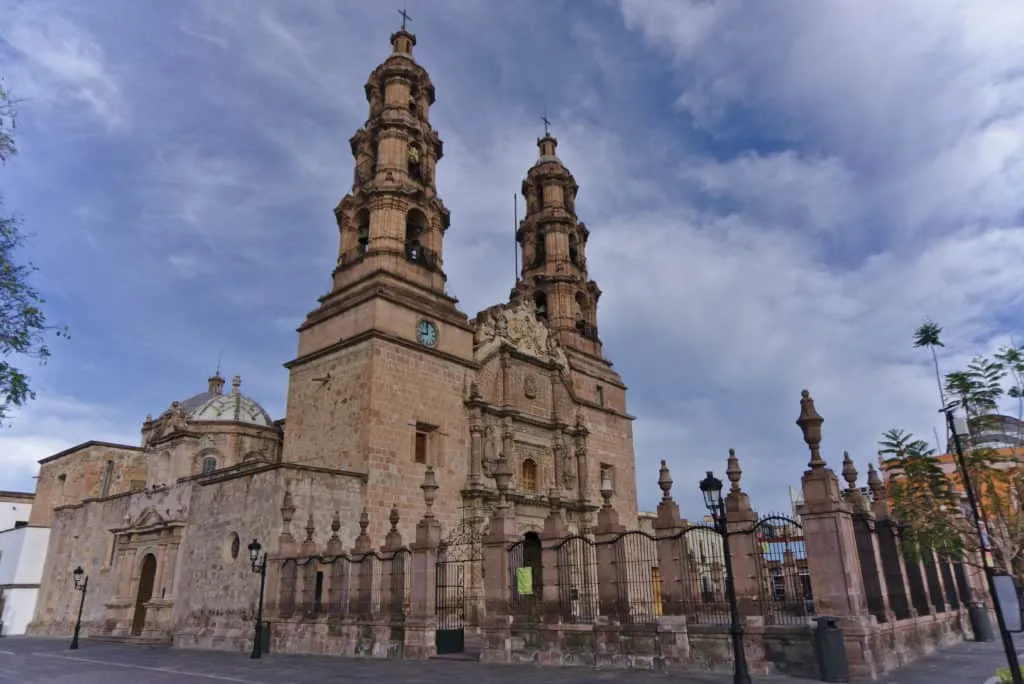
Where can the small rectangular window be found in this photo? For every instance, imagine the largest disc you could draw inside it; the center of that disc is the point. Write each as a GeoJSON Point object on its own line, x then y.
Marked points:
{"type": "Point", "coordinates": [318, 591]}
{"type": "Point", "coordinates": [420, 453]}
{"type": "Point", "coordinates": [107, 474]}
{"type": "Point", "coordinates": [600, 395]}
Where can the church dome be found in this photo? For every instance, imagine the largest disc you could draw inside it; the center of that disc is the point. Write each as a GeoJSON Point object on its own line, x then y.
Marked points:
{"type": "Point", "coordinates": [214, 405]}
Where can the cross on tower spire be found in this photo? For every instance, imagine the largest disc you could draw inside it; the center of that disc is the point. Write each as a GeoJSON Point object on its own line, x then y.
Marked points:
{"type": "Point", "coordinates": [405, 16]}
{"type": "Point", "coordinates": [547, 122]}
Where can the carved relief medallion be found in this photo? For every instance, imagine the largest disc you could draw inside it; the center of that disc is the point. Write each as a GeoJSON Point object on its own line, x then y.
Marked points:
{"type": "Point", "coordinates": [530, 387]}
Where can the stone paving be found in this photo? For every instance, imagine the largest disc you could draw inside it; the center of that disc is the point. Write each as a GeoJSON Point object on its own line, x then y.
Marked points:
{"type": "Point", "coordinates": [49, 661]}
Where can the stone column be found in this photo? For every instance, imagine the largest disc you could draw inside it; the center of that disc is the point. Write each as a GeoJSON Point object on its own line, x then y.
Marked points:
{"type": "Point", "coordinates": [868, 552]}
{"type": "Point", "coordinates": [362, 570]}
{"type": "Point", "coordinates": [674, 572]}
{"type": "Point", "coordinates": [609, 580]}
{"type": "Point", "coordinates": [392, 575]}
{"type": "Point", "coordinates": [496, 626]}
{"type": "Point", "coordinates": [742, 541]}
{"type": "Point", "coordinates": [551, 538]}
{"type": "Point", "coordinates": [673, 559]}
{"type": "Point", "coordinates": [832, 549]}
{"type": "Point", "coordinates": [421, 623]}
{"type": "Point", "coordinates": [891, 560]}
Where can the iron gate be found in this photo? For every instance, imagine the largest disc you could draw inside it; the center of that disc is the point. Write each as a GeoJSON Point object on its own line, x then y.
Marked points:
{"type": "Point", "coordinates": [455, 558]}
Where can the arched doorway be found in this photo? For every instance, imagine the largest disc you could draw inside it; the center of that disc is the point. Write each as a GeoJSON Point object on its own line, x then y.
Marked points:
{"type": "Point", "coordinates": [532, 558]}
{"type": "Point", "coordinates": [147, 576]}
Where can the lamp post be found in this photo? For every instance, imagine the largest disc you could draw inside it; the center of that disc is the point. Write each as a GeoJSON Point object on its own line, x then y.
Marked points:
{"type": "Point", "coordinates": [81, 582]}
{"type": "Point", "coordinates": [259, 566]}
{"type": "Point", "coordinates": [1011, 652]}
{"type": "Point", "coordinates": [711, 488]}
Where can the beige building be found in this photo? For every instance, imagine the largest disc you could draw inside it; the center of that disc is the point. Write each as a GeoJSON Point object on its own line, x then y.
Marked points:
{"type": "Point", "coordinates": [390, 376]}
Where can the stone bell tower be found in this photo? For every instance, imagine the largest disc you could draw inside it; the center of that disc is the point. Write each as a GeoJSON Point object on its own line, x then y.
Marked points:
{"type": "Point", "coordinates": [378, 382]}
{"type": "Point", "coordinates": [553, 244]}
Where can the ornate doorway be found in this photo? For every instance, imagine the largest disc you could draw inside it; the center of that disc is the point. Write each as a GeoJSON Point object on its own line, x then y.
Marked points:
{"type": "Point", "coordinates": [147, 576]}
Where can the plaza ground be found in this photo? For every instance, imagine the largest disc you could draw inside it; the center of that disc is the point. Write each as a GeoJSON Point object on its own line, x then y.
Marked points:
{"type": "Point", "coordinates": [49, 661]}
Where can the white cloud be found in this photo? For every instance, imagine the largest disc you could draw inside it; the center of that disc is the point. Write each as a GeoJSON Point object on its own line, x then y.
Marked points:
{"type": "Point", "coordinates": [59, 64]}
{"type": "Point", "coordinates": [49, 425]}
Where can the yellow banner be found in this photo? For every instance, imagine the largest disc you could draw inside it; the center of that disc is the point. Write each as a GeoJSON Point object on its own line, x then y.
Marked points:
{"type": "Point", "coordinates": [524, 581]}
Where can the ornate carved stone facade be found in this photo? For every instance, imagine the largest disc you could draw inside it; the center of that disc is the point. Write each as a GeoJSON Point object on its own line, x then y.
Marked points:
{"type": "Point", "coordinates": [390, 378]}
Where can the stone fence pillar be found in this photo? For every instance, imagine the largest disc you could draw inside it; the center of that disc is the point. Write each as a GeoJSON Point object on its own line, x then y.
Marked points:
{"type": "Point", "coordinates": [832, 558]}
{"type": "Point", "coordinates": [421, 622]}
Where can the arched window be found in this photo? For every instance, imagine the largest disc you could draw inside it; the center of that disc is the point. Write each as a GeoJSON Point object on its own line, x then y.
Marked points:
{"type": "Point", "coordinates": [540, 252]}
{"type": "Point", "coordinates": [415, 231]}
{"type": "Point", "coordinates": [209, 465]}
{"type": "Point", "coordinates": [363, 230]}
{"type": "Point", "coordinates": [540, 300]}
{"type": "Point", "coordinates": [574, 249]}
{"type": "Point", "coordinates": [529, 475]}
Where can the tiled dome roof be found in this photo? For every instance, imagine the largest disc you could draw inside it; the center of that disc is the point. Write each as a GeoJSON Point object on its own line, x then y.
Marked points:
{"type": "Point", "coordinates": [214, 405]}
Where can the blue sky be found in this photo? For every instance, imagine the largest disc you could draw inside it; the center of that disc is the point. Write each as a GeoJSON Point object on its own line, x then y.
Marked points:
{"type": "Point", "coordinates": [777, 193]}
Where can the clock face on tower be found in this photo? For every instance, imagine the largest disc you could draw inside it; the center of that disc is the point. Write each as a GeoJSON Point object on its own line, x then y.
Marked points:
{"type": "Point", "coordinates": [426, 332]}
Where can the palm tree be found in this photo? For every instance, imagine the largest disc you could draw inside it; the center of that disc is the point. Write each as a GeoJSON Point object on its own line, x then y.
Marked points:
{"type": "Point", "coordinates": [929, 334]}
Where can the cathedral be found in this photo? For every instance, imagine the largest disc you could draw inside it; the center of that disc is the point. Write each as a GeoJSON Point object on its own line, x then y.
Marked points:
{"type": "Point", "coordinates": [390, 378]}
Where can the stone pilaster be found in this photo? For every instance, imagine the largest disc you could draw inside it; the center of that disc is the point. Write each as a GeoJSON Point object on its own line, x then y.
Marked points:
{"type": "Point", "coordinates": [743, 547]}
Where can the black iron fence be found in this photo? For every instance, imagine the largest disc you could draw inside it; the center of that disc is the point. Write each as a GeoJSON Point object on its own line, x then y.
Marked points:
{"type": "Point", "coordinates": [783, 574]}
{"type": "Point", "coordinates": [345, 585]}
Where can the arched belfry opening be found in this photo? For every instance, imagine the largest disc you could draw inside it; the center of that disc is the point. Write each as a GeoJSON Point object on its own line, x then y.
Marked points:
{"type": "Point", "coordinates": [584, 317]}
{"type": "Point", "coordinates": [540, 252]}
{"type": "Point", "coordinates": [540, 300]}
{"type": "Point", "coordinates": [574, 249]}
{"type": "Point", "coordinates": [416, 225]}
{"type": "Point", "coordinates": [363, 230]}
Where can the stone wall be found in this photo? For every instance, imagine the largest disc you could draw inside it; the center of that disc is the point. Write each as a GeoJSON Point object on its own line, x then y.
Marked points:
{"type": "Point", "coordinates": [217, 591]}
{"type": "Point", "coordinates": [72, 476]}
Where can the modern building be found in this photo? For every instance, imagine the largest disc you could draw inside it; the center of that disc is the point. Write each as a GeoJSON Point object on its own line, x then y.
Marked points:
{"type": "Point", "coordinates": [22, 552]}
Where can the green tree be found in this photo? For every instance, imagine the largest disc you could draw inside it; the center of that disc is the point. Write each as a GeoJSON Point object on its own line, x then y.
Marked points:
{"type": "Point", "coordinates": [23, 326]}
{"type": "Point", "coordinates": [920, 495]}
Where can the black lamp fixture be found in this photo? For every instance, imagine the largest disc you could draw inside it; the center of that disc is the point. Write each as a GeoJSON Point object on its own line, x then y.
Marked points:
{"type": "Point", "coordinates": [81, 583]}
{"type": "Point", "coordinates": [258, 562]}
{"type": "Point", "coordinates": [711, 488]}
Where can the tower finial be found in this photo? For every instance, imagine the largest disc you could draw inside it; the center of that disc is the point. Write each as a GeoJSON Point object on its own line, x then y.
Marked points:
{"type": "Point", "coordinates": [405, 16]}
{"type": "Point", "coordinates": [547, 121]}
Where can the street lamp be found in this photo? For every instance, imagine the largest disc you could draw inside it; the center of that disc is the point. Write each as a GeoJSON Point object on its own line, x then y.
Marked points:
{"type": "Point", "coordinates": [259, 565]}
{"type": "Point", "coordinates": [958, 429]}
{"type": "Point", "coordinates": [81, 581]}
{"type": "Point", "coordinates": [711, 488]}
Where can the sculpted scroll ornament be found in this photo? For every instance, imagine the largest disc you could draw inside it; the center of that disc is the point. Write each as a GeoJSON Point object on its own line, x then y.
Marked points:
{"type": "Point", "coordinates": [518, 326]}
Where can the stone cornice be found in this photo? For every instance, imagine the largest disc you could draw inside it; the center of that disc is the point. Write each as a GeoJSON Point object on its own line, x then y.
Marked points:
{"type": "Point", "coordinates": [387, 337]}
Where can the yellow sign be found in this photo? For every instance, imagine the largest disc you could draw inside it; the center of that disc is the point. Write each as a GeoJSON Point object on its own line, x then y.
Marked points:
{"type": "Point", "coordinates": [524, 581]}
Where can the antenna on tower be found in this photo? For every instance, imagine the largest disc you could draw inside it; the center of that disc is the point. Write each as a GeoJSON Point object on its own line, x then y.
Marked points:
{"type": "Point", "coordinates": [515, 231]}
{"type": "Point", "coordinates": [219, 355]}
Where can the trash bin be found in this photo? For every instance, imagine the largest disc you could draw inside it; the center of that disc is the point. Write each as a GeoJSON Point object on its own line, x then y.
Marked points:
{"type": "Point", "coordinates": [265, 637]}
{"type": "Point", "coordinates": [980, 622]}
{"type": "Point", "coordinates": [831, 651]}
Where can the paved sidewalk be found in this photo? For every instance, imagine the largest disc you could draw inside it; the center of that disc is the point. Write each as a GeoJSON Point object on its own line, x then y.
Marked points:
{"type": "Point", "coordinates": [48, 661]}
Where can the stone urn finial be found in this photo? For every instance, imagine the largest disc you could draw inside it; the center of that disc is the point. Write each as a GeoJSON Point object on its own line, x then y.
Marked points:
{"type": "Point", "coordinates": [310, 528]}
{"type": "Point", "coordinates": [875, 483]}
{"type": "Point", "coordinates": [849, 471]}
{"type": "Point", "coordinates": [810, 422]}
{"type": "Point", "coordinates": [429, 488]}
{"type": "Point", "coordinates": [665, 481]}
{"type": "Point", "coordinates": [394, 518]}
{"type": "Point", "coordinates": [364, 521]}
{"type": "Point", "coordinates": [336, 523]}
{"type": "Point", "coordinates": [733, 472]}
